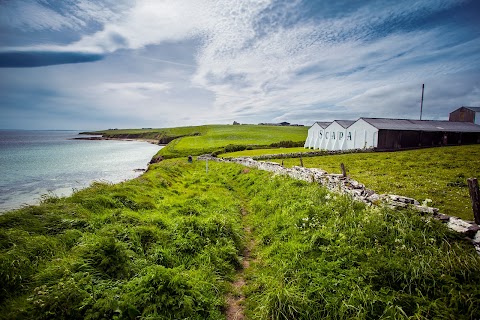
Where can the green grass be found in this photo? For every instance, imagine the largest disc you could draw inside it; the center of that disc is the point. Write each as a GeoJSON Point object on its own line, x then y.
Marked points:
{"type": "Point", "coordinates": [438, 174]}
{"type": "Point", "coordinates": [218, 136]}
{"type": "Point", "coordinates": [167, 245]}
{"type": "Point", "coordinates": [261, 152]}
{"type": "Point", "coordinates": [322, 256]}
{"type": "Point", "coordinates": [154, 133]}
{"type": "Point", "coordinates": [197, 140]}
{"type": "Point", "coordinates": [159, 246]}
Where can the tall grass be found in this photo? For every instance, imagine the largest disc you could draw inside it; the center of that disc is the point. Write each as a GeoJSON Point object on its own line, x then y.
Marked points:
{"type": "Point", "coordinates": [323, 256]}
{"type": "Point", "coordinates": [155, 247]}
{"type": "Point", "coordinates": [167, 244]}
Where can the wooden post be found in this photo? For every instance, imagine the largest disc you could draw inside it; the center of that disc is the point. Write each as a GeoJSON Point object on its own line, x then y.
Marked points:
{"type": "Point", "coordinates": [301, 161]}
{"type": "Point", "coordinates": [282, 162]}
{"type": "Point", "coordinates": [475, 197]}
{"type": "Point", "coordinates": [344, 173]}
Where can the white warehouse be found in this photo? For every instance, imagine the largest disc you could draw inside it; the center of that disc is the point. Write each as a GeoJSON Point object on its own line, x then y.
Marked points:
{"type": "Point", "coordinates": [389, 134]}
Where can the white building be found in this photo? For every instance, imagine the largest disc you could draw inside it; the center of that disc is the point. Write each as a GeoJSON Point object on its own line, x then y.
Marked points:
{"type": "Point", "coordinates": [315, 135]}
{"type": "Point", "coordinates": [335, 135]}
{"type": "Point", "coordinates": [389, 134]}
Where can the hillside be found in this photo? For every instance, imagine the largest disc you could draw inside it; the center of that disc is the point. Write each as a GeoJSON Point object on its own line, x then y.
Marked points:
{"type": "Point", "coordinates": [209, 138]}
{"type": "Point", "coordinates": [170, 243]}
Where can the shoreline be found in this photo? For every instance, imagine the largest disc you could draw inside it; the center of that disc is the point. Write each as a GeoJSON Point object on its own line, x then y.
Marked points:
{"type": "Point", "coordinates": [151, 141]}
{"type": "Point", "coordinates": [33, 198]}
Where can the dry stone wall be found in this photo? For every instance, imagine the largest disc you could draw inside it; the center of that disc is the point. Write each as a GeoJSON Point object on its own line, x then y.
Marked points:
{"type": "Point", "coordinates": [345, 185]}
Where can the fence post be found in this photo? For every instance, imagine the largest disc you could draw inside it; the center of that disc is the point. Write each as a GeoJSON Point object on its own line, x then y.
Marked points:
{"type": "Point", "coordinates": [475, 197]}
{"type": "Point", "coordinates": [344, 173]}
{"type": "Point", "coordinates": [301, 161]}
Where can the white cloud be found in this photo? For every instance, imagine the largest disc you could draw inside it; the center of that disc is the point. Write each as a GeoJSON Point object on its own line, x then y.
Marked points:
{"type": "Point", "coordinates": [57, 15]}
{"type": "Point", "coordinates": [345, 63]}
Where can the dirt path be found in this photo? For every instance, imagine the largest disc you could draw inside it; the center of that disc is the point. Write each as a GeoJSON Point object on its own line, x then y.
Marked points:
{"type": "Point", "coordinates": [235, 308]}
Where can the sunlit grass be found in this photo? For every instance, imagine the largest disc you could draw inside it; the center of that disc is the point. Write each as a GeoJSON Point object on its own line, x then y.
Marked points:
{"type": "Point", "coordinates": [219, 136]}
{"type": "Point", "coordinates": [438, 174]}
{"type": "Point", "coordinates": [323, 256]}
{"type": "Point", "coordinates": [167, 244]}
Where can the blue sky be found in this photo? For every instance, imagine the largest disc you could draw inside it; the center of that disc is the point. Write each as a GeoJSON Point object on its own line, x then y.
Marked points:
{"type": "Point", "coordinates": [78, 64]}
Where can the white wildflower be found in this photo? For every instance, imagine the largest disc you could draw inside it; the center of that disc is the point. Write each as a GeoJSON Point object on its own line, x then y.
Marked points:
{"type": "Point", "coordinates": [426, 202]}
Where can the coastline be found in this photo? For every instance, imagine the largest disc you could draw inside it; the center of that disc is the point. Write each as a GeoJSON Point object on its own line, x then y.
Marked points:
{"type": "Point", "coordinates": [17, 193]}
{"type": "Point", "coordinates": [151, 141]}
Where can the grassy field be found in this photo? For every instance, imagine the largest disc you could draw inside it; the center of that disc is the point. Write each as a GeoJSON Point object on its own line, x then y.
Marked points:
{"type": "Point", "coordinates": [261, 152]}
{"type": "Point", "coordinates": [326, 257]}
{"type": "Point", "coordinates": [438, 174]}
{"type": "Point", "coordinates": [198, 140]}
{"type": "Point", "coordinates": [159, 246]}
{"type": "Point", "coordinates": [168, 244]}
{"type": "Point", "coordinates": [216, 137]}
{"type": "Point", "coordinates": [154, 133]}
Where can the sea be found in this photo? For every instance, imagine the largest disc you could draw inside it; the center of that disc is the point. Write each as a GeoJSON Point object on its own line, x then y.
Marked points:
{"type": "Point", "coordinates": [37, 163]}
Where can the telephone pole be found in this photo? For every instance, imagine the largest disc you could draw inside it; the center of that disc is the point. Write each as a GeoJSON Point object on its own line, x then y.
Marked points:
{"type": "Point", "coordinates": [421, 102]}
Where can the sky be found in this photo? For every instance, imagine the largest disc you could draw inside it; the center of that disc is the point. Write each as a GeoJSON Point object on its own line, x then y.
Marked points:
{"type": "Point", "coordinates": [88, 65]}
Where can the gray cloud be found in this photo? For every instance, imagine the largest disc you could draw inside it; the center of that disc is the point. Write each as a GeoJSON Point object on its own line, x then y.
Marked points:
{"type": "Point", "coordinates": [28, 59]}
{"type": "Point", "coordinates": [197, 61]}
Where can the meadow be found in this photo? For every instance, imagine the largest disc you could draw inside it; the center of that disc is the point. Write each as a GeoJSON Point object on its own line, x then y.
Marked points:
{"type": "Point", "coordinates": [436, 174]}
{"type": "Point", "coordinates": [168, 245]}
{"type": "Point", "coordinates": [199, 140]}
{"type": "Point", "coordinates": [171, 244]}
{"type": "Point", "coordinates": [159, 246]}
{"type": "Point", "coordinates": [151, 133]}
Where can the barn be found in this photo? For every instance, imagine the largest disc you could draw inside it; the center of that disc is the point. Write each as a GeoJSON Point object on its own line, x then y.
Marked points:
{"type": "Point", "coordinates": [392, 134]}
{"type": "Point", "coordinates": [466, 114]}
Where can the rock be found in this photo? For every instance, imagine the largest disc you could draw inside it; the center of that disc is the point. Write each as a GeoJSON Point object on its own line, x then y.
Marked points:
{"type": "Point", "coordinates": [403, 199]}
{"type": "Point", "coordinates": [476, 239]}
{"type": "Point", "coordinates": [373, 198]}
{"type": "Point", "coordinates": [472, 231]}
{"type": "Point", "coordinates": [458, 225]}
{"type": "Point", "coordinates": [356, 184]}
{"type": "Point", "coordinates": [398, 205]}
{"type": "Point", "coordinates": [442, 217]}
{"type": "Point", "coordinates": [425, 209]}
{"type": "Point", "coordinates": [156, 159]}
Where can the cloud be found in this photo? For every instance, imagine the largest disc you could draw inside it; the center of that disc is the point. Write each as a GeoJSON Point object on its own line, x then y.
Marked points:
{"type": "Point", "coordinates": [28, 59]}
{"type": "Point", "coordinates": [56, 15]}
{"type": "Point", "coordinates": [262, 60]}
{"type": "Point", "coordinates": [131, 90]}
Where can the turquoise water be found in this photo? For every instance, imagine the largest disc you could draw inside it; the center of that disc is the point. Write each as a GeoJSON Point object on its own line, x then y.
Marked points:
{"type": "Point", "coordinates": [33, 163]}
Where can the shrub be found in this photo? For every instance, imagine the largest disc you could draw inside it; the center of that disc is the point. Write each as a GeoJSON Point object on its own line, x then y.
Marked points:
{"type": "Point", "coordinates": [287, 144]}
{"type": "Point", "coordinates": [171, 294]}
{"type": "Point", "coordinates": [107, 256]}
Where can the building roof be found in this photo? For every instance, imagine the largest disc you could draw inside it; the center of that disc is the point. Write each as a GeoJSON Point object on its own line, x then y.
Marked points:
{"type": "Point", "coordinates": [474, 109]}
{"type": "Point", "coordinates": [422, 125]}
{"type": "Point", "coordinates": [323, 124]}
{"type": "Point", "coordinates": [345, 123]}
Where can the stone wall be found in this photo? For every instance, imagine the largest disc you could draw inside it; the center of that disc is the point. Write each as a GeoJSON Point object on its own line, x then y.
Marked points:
{"type": "Point", "coordinates": [345, 185]}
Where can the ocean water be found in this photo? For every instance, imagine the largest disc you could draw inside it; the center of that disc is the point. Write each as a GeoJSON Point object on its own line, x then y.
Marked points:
{"type": "Point", "coordinates": [33, 163]}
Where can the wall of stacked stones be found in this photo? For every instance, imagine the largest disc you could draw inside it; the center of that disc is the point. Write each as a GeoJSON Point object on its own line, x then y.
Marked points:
{"type": "Point", "coordinates": [345, 185]}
